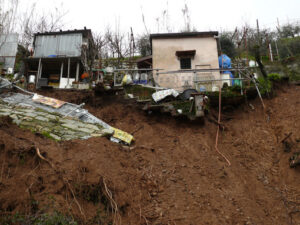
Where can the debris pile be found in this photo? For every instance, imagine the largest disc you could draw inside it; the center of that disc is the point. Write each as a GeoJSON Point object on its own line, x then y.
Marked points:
{"type": "Point", "coordinates": [57, 119]}
{"type": "Point", "coordinates": [52, 125]}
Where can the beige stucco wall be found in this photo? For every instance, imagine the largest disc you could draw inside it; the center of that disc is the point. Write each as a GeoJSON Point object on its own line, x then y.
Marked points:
{"type": "Point", "coordinates": [163, 53]}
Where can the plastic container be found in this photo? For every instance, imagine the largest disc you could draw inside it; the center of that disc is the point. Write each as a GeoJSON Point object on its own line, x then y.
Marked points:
{"type": "Point", "coordinates": [143, 78]}
{"type": "Point", "coordinates": [31, 79]}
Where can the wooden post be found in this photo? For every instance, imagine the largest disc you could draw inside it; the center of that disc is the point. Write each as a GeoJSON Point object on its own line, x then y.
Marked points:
{"type": "Point", "coordinates": [271, 53]}
{"type": "Point", "coordinates": [77, 72]}
{"type": "Point", "coordinates": [246, 47]}
{"type": "Point", "coordinates": [69, 61]}
{"type": "Point", "coordinates": [241, 83]}
{"type": "Point", "coordinates": [258, 33]}
{"type": "Point", "coordinates": [38, 73]}
{"type": "Point", "coordinates": [268, 46]}
{"type": "Point", "coordinates": [156, 83]}
{"type": "Point", "coordinates": [278, 57]}
{"type": "Point", "coordinates": [61, 69]}
{"type": "Point", "coordinates": [114, 74]}
{"type": "Point", "coordinates": [41, 70]}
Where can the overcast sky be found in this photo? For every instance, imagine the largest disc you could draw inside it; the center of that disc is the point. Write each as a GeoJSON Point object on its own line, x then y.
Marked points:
{"type": "Point", "coordinates": [205, 14]}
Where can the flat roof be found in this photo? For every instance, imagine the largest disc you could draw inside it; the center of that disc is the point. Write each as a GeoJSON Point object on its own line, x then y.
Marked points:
{"type": "Point", "coordinates": [184, 35]}
{"type": "Point", "coordinates": [144, 58]}
{"type": "Point", "coordinates": [52, 59]}
{"type": "Point", "coordinates": [85, 32]}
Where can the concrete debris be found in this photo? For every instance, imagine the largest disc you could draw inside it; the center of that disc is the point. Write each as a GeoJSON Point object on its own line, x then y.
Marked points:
{"type": "Point", "coordinates": [28, 113]}
{"type": "Point", "coordinates": [160, 95]}
{"type": "Point", "coordinates": [51, 125]}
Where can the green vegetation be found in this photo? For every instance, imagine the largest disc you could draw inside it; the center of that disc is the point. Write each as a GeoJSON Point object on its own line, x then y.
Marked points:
{"type": "Point", "coordinates": [55, 218]}
{"type": "Point", "coordinates": [265, 85]}
{"type": "Point", "coordinates": [143, 93]}
{"type": "Point", "coordinates": [274, 77]}
{"type": "Point", "coordinates": [228, 92]}
{"type": "Point", "coordinates": [185, 106]}
{"type": "Point", "coordinates": [289, 47]}
{"type": "Point", "coordinates": [47, 135]}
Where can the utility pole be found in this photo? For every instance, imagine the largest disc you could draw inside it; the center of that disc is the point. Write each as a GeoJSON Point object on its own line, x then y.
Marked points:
{"type": "Point", "coordinates": [278, 57]}
{"type": "Point", "coordinates": [258, 33]}
{"type": "Point", "coordinates": [278, 27]}
{"type": "Point", "coordinates": [132, 47]}
{"type": "Point", "coordinates": [269, 46]}
{"type": "Point", "coordinates": [246, 46]}
{"type": "Point", "coordinates": [271, 53]}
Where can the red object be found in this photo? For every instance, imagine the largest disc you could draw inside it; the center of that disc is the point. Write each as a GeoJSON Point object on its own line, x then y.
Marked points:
{"type": "Point", "coordinates": [84, 75]}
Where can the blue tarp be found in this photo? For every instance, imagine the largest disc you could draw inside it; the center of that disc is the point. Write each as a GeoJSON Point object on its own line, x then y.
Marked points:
{"type": "Point", "coordinates": [225, 63]}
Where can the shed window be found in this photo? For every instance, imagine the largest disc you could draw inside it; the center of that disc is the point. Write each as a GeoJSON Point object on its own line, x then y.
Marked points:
{"type": "Point", "coordinates": [185, 63]}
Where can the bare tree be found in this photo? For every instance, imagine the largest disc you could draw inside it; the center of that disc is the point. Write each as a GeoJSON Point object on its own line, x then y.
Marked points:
{"type": "Point", "coordinates": [8, 14]}
{"type": "Point", "coordinates": [31, 22]}
{"type": "Point", "coordinates": [52, 21]}
{"type": "Point", "coordinates": [118, 44]}
{"type": "Point", "coordinates": [100, 44]}
{"type": "Point", "coordinates": [100, 47]}
{"type": "Point", "coordinates": [186, 18]}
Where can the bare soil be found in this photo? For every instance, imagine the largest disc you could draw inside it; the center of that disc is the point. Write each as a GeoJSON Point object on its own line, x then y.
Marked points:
{"type": "Point", "coordinates": [171, 175]}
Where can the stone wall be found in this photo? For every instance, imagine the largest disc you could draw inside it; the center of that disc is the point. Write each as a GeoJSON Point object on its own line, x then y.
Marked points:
{"type": "Point", "coordinates": [52, 125]}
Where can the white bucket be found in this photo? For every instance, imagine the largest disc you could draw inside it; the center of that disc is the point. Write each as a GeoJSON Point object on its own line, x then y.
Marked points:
{"type": "Point", "coordinates": [31, 79]}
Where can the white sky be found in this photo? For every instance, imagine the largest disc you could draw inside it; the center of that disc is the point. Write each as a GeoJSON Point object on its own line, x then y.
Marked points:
{"type": "Point", "coordinates": [205, 14]}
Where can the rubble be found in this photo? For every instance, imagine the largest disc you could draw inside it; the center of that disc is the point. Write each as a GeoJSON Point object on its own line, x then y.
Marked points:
{"type": "Point", "coordinates": [51, 125]}
{"type": "Point", "coordinates": [34, 111]}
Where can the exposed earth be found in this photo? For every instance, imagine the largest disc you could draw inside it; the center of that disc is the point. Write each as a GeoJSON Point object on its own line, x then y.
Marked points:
{"type": "Point", "coordinates": [172, 175]}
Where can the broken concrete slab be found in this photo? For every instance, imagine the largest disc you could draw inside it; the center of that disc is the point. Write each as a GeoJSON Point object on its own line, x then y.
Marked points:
{"type": "Point", "coordinates": [79, 120]}
{"type": "Point", "coordinates": [40, 121]}
{"type": "Point", "coordinates": [45, 119]}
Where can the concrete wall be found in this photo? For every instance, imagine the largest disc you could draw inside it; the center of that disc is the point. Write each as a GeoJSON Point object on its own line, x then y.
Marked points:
{"type": "Point", "coordinates": [164, 50]}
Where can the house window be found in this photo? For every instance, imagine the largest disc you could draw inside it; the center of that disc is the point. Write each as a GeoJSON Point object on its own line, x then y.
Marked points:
{"type": "Point", "coordinates": [185, 63]}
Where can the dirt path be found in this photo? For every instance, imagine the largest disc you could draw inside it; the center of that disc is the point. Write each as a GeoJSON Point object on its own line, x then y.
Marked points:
{"type": "Point", "coordinates": [172, 175]}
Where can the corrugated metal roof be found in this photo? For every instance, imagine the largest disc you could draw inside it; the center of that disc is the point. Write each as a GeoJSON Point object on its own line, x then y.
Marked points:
{"type": "Point", "coordinates": [8, 49]}
{"type": "Point", "coordinates": [63, 45]}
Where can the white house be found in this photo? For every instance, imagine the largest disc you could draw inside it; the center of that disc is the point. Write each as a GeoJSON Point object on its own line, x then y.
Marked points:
{"type": "Point", "coordinates": [185, 51]}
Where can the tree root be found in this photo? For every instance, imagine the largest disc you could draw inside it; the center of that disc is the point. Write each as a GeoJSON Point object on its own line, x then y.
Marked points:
{"type": "Point", "coordinates": [113, 204]}
{"type": "Point", "coordinates": [64, 180]}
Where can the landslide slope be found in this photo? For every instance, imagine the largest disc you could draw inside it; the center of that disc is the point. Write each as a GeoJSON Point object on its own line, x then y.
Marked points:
{"type": "Point", "coordinates": [172, 174]}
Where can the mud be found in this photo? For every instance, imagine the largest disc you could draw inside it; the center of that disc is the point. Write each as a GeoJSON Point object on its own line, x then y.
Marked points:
{"type": "Point", "coordinates": [172, 175]}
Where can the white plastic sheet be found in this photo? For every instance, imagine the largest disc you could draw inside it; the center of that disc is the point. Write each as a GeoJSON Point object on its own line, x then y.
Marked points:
{"type": "Point", "coordinates": [160, 95]}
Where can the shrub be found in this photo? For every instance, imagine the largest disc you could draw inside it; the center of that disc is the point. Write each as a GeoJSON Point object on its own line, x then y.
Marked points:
{"type": "Point", "coordinates": [265, 85]}
{"type": "Point", "coordinates": [274, 77]}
